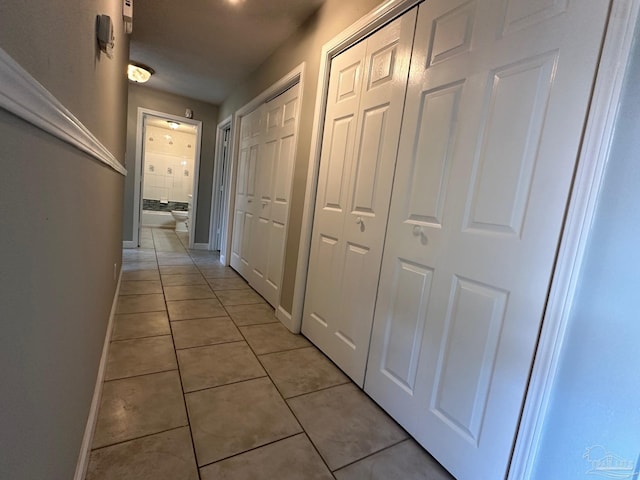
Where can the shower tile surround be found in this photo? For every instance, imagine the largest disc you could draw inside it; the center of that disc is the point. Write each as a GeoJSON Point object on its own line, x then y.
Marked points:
{"type": "Point", "coordinates": [215, 384]}
{"type": "Point", "coordinates": [168, 167]}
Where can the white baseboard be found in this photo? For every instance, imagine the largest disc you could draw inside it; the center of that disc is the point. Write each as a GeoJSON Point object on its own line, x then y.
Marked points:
{"type": "Point", "coordinates": [200, 246]}
{"type": "Point", "coordinates": [286, 319]}
{"type": "Point", "coordinates": [129, 244]}
{"type": "Point", "coordinates": [85, 449]}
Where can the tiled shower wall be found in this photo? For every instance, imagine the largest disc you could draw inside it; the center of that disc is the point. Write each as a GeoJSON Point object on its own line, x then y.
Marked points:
{"type": "Point", "coordinates": [168, 166]}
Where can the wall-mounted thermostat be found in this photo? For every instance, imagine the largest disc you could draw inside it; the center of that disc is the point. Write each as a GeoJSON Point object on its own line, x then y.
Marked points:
{"type": "Point", "coordinates": [127, 15]}
{"type": "Point", "coordinates": [105, 35]}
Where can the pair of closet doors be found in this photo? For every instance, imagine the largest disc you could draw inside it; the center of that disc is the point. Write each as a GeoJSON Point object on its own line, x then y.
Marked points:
{"type": "Point", "coordinates": [449, 145]}
{"type": "Point", "coordinates": [263, 191]}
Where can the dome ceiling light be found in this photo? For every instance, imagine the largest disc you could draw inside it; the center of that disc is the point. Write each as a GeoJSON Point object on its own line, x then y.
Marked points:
{"type": "Point", "coordinates": [139, 73]}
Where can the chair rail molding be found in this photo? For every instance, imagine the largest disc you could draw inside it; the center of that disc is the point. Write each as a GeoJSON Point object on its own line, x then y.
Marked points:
{"type": "Point", "coordinates": [22, 95]}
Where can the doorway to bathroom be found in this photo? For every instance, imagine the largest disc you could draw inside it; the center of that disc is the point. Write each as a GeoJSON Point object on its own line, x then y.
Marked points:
{"type": "Point", "coordinates": [167, 166]}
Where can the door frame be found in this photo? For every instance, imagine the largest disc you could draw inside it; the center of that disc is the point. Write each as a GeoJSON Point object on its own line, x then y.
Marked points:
{"type": "Point", "coordinates": [295, 76]}
{"type": "Point", "coordinates": [592, 159]}
{"type": "Point", "coordinates": [139, 174]}
{"type": "Point", "coordinates": [219, 210]}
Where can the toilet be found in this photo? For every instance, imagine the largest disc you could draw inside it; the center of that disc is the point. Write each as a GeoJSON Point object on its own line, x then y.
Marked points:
{"type": "Point", "coordinates": [181, 218]}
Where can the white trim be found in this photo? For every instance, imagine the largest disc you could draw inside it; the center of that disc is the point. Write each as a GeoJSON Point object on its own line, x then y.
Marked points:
{"type": "Point", "coordinates": [139, 174]}
{"type": "Point", "coordinates": [129, 244]}
{"type": "Point", "coordinates": [25, 97]}
{"type": "Point", "coordinates": [295, 76]}
{"type": "Point", "coordinates": [200, 246]}
{"type": "Point", "coordinates": [87, 439]}
{"type": "Point", "coordinates": [349, 37]}
{"type": "Point", "coordinates": [582, 208]}
{"type": "Point", "coordinates": [284, 317]}
{"type": "Point", "coordinates": [220, 211]}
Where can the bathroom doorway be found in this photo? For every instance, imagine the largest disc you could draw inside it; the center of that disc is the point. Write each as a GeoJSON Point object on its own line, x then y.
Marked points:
{"type": "Point", "coordinates": [167, 166]}
{"type": "Point", "coordinates": [220, 191]}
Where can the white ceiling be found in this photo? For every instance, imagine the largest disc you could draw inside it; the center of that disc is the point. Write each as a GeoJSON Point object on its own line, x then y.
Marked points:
{"type": "Point", "coordinates": [204, 48]}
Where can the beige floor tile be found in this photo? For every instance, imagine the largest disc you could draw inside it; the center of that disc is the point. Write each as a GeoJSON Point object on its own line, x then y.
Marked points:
{"type": "Point", "coordinates": [140, 287]}
{"type": "Point", "coordinates": [252, 314]}
{"type": "Point", "coordinates": [178, 269]}
{"type": "Point", "coordinates": [293, 458]}
{"type": "Point", "coordinates": [188, 292]}
{"type": "Point", "coordinates": [141, 303]}
{"type": "Point", "coordinates": [141, 275]}
{"type": "Point", "coordinates": [228, 283]}
{"type": "Point", "coordinates": [238, 297]}
{"type": "Point", "coordinates": [204, 331]}
{"type": "Point", "coordinates": [301, 371]}
{"type": "Point", "coordinates": [405, 461]}
{"type": "Point", "coordinates": [138, 266]}
{"type": "Point", "coordinates": [211, 271]}
{"type": "Point", "coordinates": [163, 456]}
{"type": "Point", "coordinates": [183, 279]}
{"type": "Point", "coordinates": [140, 356]}
{"type": "Point", "coordinates": [190, 309]}
{"type": "Point", "coordinates": [140, 255]}
{"type": "Point", "coordinates": [229, 420]}
{"type": "Point", "coordinates": [138, 325]}
{"type": "Point", "coordinates": [272, 337]}
{"type": "Point", "coordinates": [215, 365]}
{"type": "Point", "coordinates": [169, 247]}
{"type": "Point", "coordinates": [138, 406]}
{"type": "Point", "coordinates": [169, 261]}
{"type": "Point", "coordinates": [344, 424]}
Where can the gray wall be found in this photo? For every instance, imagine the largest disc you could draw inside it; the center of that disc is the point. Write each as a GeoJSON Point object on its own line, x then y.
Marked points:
{"type": "Point", "coordinates": [595, 397]}
{"type": "Point", "coordinates": [140, 96]}
{"type": "Point", "coordinates": [304, 46]}
{"type": "Point", "coordinates": [61, 235]}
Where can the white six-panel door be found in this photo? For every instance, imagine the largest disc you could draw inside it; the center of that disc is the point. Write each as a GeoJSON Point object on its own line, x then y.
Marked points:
{"type": "Point", "coordinates": [496, 103]}
{"type": "Point", "coordinates": [362, 127]}
{"type": "Point", "coordinates": [245, 198]}
{"type": "Point", "coordinates": [274, 176]}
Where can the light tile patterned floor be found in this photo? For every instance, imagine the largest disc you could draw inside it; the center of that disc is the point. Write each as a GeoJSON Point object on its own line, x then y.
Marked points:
{"type": "Point", "coordinates": [203, 382]}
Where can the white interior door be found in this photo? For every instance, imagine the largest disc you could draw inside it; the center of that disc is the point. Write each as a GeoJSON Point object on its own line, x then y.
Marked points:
{"type": "Point", "coordinates": [274, 176]}
{"type": "Point", "coordinates": [245, 201]}
{"type": "Point", "coordinates": [495, 110]}
{"type": "Point", "coordinates": [362, 127]}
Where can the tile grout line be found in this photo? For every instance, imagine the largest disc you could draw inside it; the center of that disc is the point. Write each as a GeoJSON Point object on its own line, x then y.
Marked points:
{"type": "Point", "coordinates": [139, 438]}
{"type": "Point", "coordinates": [271, 380]}
{"type": "Point", "coordinates": [289, 408]}
{"type": "Point", "coordinates": [184, 398]}
{"type": "Point", "coordinates": [374, 453]}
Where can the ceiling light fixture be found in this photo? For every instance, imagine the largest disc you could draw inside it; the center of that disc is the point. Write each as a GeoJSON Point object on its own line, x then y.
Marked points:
{"type": "Point", "coordinates": [173, 125]}
{"type": "Point", "coordinates": [139, 73]}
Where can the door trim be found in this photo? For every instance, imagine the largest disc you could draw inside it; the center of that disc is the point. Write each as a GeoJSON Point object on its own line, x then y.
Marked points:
{"type": "Point", "coordinates": [295, 76]}
{"type": "Point", "coordinates": [590, 171]}
{"type": "Point", "coordinates": [139, 175]}
{"type": "Point", "coordinates": [582, 205]}
{"type": "Point", "coordinates": [220, 211]}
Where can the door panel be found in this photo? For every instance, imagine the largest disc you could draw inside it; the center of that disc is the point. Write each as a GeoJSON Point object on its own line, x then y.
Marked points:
{"type": "Point", "coordinates": [245, 191]}
{"type": "Point", "coordinates": [275, 172]}
{"type": "Point", "coordinates": [496, 104]}
{"type": "Point", "coordinates": [362, 127]}
{"type": "Point", "coordinates": [410, 291]}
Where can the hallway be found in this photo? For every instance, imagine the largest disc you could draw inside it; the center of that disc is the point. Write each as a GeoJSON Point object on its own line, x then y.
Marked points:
{"type": "Point", "coordinates": [202, 381]}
